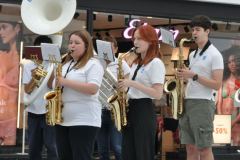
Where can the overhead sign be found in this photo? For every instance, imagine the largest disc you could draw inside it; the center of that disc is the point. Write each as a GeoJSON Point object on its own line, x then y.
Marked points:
{"type": "Point", "coordinates": [127, 33]}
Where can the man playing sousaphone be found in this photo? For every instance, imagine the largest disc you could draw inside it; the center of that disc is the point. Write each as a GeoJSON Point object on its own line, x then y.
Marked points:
{"type": "Point", "coordinates": [39, 133]}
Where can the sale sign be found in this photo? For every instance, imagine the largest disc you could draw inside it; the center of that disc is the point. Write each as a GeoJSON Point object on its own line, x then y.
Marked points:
{"type": "Point", "coordinates": [222, 129]}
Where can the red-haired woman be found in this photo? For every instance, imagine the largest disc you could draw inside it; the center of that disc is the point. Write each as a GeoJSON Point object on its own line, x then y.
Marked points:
{"type": "Point", "coordinates": [146, 83]}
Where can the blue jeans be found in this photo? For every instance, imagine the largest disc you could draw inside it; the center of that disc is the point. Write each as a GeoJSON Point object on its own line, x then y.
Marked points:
{"type": "Point", "coordinates": [109, 136]}
{"type": "Point", "coordinates": [39, 134]}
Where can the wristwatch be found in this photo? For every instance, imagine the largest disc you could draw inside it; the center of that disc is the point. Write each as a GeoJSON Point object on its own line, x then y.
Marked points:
{"type": "Point", "coordinates": [195, 77]}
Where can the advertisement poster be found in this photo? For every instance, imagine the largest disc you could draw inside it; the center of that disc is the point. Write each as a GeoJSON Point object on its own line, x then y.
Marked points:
{"type": "Point", "coordinates": [10, 35]}
{"type": "Point", "coordinates": [231, 83]}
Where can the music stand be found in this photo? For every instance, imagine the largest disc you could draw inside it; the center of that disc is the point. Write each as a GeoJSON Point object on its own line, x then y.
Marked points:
{"type": "Point", "coordinates": [104, 50]}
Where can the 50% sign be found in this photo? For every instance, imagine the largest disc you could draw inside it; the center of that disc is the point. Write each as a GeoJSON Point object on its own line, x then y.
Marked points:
{"type": "Point", "coordinates": [222, 129]}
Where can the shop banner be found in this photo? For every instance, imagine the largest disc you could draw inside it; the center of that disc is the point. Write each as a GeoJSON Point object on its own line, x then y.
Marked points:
{"type": "Point", "coordinates": [9, 74]}
{"type": "Point", "coordinates": [228, 96]}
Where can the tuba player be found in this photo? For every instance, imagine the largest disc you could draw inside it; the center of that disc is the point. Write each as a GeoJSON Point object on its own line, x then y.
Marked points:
{"type": "Point", "coordinates": [39, 133]}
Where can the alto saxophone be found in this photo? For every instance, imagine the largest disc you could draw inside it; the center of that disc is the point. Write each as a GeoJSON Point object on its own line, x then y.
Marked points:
{"type": "Point", "coordinates": [54, 105]}
{"type": "Point", "coordinates": [118, 101]}
{"type": "Point", "coordinates": [176, 86]}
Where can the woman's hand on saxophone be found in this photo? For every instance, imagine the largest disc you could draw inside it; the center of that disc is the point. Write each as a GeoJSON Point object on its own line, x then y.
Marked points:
{"type": "Point", "coordinates": [59, 81]}
{"type": "Point", "coordinates": [123, 84]}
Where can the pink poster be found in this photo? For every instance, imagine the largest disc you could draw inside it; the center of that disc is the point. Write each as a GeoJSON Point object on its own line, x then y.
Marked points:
{"type": "Point", "coordinates": [231, 83]}
{"type": "Point", "coordinates": [10, 34]}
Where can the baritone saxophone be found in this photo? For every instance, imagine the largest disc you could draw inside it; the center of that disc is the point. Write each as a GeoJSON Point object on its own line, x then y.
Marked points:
{"type": "Point", "coordinates": [176, 86]}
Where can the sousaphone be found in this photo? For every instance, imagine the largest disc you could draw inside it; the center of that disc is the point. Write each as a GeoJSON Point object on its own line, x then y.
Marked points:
{"type": "Point", "coordinates": [47, 17]}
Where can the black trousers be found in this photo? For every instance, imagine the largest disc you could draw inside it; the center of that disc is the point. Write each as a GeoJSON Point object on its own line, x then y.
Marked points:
{"type": "Point", "coordinates": [75, 142]}
{"type": "Point", "coordinates": [39, 135]}
{"type": "Point", "coordinates": [139, 135]}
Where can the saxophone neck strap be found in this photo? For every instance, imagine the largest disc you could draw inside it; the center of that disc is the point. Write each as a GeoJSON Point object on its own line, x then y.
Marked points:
{"type": "Point", "coordinates": [69, 68]}
{"type": "Point", "coordinates": [203, 50]}
{"type": "Point", "coordinates": [135, 73]}
{"type": "Point", "coordinates": [136, 70]}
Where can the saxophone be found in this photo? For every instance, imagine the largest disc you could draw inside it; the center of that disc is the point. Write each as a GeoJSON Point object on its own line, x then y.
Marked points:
{"type": "Point", "coordinates": [54, 105]}
{"type": "Point", "coordinates": [118, 101]}
{"type": "Point", "coordinates": [176, 86]}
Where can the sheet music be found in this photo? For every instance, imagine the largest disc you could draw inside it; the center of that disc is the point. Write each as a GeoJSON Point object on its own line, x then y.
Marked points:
{"type": "Point", "coordinates": [50, 52]}
{"type": "Point", "coordinates": [167, 37]}
{"type": "Point", "coordinates": [104, 50]}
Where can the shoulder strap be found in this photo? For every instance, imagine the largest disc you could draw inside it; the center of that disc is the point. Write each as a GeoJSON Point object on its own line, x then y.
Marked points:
{"type": "Point", "coordinates": [135, 73]}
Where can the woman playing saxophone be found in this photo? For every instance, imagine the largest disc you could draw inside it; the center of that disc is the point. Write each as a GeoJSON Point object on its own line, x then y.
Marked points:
{"type": "Point", "coordinates": [80, 81]}
{"type": "Point", "coordinates": [147, 79]}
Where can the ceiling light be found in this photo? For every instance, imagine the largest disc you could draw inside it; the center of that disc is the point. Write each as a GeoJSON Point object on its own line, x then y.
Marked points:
{"type": "Point", "coordinates": [109, 18]}
{"type": "Point", "coordinates": [107, 34]}
{"type": "Point", "coordinates": [215, 26]}
{"type": "Point", "coordinates": [186, 29]}
{"type": "Point", "coordinates": [76, 15]}
{"type": "Point", "coordinates": [228, 26]}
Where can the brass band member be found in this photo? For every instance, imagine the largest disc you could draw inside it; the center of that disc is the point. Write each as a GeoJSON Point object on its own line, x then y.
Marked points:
{"type": "Point", "coordinates": [204, 76]}
{"type": "Point", "coordinates": [39, 133]}
{"type": "Point", "coordinates": [108, 135]}
{"type": "Point", "coordinates": [81, 78]}
{"type": "Point", "coordinates": [146, 84]}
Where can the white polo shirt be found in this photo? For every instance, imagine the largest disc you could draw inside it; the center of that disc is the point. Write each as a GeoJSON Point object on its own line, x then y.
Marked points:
{"type": "Point", "coordinates": [113, 67]}
{"type": "Point", "coordinates": [80, 108]}
{"type": "Point", "coordinates": [152, 73]}
{"type": "Point", "coordinates": [203, 65]}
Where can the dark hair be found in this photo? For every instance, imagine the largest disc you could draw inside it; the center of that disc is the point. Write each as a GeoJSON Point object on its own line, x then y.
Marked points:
{"type": "Point", "coordinates": [6, 47]}
{"type": "Point", "coordinates": [201, 21]}
{"type": "Point", "coordinates": [233, 51]}
{"type": "Point", "coordinates": [42, 39]}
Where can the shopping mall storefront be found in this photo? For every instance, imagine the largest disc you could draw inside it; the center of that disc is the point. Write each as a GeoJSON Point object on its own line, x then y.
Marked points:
{"type": "Point", "coordinates": [107, 17]}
